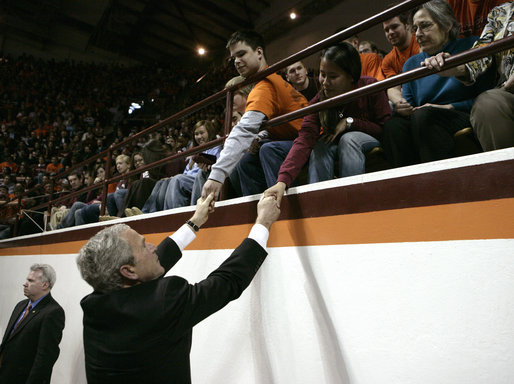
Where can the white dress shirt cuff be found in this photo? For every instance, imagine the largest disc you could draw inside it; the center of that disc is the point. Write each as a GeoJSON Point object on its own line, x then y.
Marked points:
{"type": "Point", "coordinates": [183, 236]}
{"type": "Point", "coordinates": [260, 234]}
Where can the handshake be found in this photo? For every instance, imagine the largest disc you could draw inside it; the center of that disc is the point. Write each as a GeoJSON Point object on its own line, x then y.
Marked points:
{"type": "Point", "coordinates": [267, 210]}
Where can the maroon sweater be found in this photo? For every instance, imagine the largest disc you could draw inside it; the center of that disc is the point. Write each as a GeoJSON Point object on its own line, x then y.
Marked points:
{"type": "Point", "coordinates": [369, 114]}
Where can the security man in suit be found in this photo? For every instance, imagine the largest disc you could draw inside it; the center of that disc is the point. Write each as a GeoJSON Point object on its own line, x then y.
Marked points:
{"type": "Point", "coordinates": [30, 345]}
{"type": "Point", "coordinates": [138, 323]}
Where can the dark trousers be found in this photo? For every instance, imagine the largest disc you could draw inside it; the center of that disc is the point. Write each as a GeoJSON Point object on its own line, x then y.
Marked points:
{"type": "Point", "coordinates": [426, 135]}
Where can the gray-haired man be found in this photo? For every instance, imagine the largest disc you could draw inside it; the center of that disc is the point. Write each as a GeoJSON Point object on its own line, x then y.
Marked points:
{"type": "Point", "coordinates": [138, 323]}
{"type": "Point", "coordinates": [30, 345]}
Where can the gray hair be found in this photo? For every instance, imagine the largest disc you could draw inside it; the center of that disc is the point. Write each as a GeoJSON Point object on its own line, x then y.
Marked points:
{"type": "Point", "coordinates": [443, 15]}
{"type": "Point", "coordinates": [47, 273]}
{"type": "Point", "coordinates": [101, 258]}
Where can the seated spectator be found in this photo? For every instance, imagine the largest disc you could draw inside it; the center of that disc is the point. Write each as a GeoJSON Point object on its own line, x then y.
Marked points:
{"type": "Point", "coordinates": [269, 98]}
{"type": "Point", "coordinates": [492, 115]}
{"type": "Point", "coordinates": [115, 199]}
{"type": "Point", "coordinates": [140, 190]}
{"type": "Point", "coordinates": [472, 14]}
{"type": "Point", "coordinates": [371, 63]}
{"type": "Point", "coordinates": [75, 181]}
{"type": "Point", "coordinates": [9, 163]}
{"type": "Point", "coordinates": [9, 183]}
{"type": "Point", "coordinates": [69, 218]}
{"type": "Point", "coordinates": [398, 32]}
{"type": "Point", "coordinates": [240, 96]}
{"type": "Point", "coordinates": [349, 131]}
{"type": "Point", "coordinates": [297, 75]}
{"type": "Point", "coordinates": [180, 187]}
{"type": "Point", "coordinates": [437, 107]}
{"type": "Point", "coordinates": [54, 167]}
{"type": "Point", "coordinates": [367, 47]}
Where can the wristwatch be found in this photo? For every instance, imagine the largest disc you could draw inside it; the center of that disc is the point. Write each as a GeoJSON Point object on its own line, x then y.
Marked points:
{"type": "Point", "coordinates": [349, 122]}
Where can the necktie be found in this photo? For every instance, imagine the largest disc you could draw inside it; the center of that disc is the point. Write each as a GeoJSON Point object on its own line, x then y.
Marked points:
{"type": "Point", "coordinates": [29, 307]}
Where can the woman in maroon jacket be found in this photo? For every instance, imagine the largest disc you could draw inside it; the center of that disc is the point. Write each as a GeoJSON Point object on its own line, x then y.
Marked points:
{"type": "Point", "coordinates": [346, 132]}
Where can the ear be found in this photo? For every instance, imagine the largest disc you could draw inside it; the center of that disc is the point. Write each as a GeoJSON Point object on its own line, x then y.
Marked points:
{"type": "Point", "coordinates": [260, 51]}
{"type": "Point", "coordinates": [127, 271]}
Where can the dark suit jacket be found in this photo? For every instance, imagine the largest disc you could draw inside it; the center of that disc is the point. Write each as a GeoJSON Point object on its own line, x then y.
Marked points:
{"type": "Point", "coordinates": [29, 354]}
{"type": "Point", "coordinates": [143, 334]}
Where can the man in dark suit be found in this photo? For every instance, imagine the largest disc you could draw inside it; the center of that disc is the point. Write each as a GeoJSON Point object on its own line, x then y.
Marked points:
{"type": "Point", "coordinates": [30, 345]}
{"type": "Point", "coordinates": [138, 323]}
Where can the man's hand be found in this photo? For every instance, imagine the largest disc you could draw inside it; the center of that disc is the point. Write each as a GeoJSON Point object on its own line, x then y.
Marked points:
{"type": "Point", "coordinates": [203, 208]}
{"type": "Point", "coordinates": [438, 61]}
{"type": "Point", "coordinates": [211, 186]}
{"type": "Point", "coordinates": [255, 146]}
{"type": "Point", "coordinates": [403, 108]}
{"type": "Point", "coordinates": [277, 191]}
{"type": "Point", "coordinates": [267, 211]}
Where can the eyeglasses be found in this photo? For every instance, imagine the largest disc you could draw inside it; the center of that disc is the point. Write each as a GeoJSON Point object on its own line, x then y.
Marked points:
{"type": "Point", "coordinates": [423, 26]}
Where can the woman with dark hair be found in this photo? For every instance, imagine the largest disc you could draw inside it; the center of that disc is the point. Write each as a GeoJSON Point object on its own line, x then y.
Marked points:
{"type": "Point", "coordinates": [433, 108]}
{"type": "Point", "coordinates": [345, 133]}
{"type": "Point", "coordinates": [179, 191]}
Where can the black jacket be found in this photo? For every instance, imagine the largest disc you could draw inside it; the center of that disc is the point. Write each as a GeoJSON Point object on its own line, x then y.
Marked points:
{"type": "Point", "coordinates": [29, 354]}
{"type": "Point", "coordinates": [142, 334]}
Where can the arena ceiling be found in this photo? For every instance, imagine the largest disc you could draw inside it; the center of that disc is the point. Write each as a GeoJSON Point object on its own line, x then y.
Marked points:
{"type": "Point", "coordinates": [147, 30]}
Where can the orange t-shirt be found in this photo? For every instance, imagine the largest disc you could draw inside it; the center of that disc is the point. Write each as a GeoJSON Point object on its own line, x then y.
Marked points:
{"type": "Point", "coordinates": [274, 96]}
{"type": "Point", "coordinates": [371, 65]}
{"type": "Point", "coordinates": [472, 17]}
{"type": "Point", "coordinates": [394, 60]}
{"type": "Point", "coordinates": [53, 168]}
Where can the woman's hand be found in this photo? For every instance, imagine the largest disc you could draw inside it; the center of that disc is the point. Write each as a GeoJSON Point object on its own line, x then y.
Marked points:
{"type": "Point", "coordinates": [276, 191]}
{"type": "Point", "coordinates": [437, 62]}
{"type": "Point", "coordinates": [403, 108]}
{"type": "Point", "coordinates": [442, 106]}
{"type": "Point", "coordinates": [340, 128]}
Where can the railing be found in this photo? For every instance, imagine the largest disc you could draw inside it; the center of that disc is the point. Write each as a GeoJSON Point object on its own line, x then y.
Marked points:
{"type": "Point", "coordinates": [461, 58]}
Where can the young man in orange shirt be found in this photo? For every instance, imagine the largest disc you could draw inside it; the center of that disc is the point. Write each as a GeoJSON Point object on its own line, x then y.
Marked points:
{"type": "Point", "coordinates": [398, 33]}
{"type": "Point", "coordinates": [270, 97]}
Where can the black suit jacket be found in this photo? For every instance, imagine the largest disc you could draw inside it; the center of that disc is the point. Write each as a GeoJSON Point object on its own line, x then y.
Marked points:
{"type": "Point", "coordinates": [29, 354]}
{"type": "Point", "coordinates": [143, 334]}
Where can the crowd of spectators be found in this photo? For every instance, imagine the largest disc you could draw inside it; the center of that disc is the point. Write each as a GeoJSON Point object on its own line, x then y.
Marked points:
{"type": "Point", "coordinates": [57, 114]}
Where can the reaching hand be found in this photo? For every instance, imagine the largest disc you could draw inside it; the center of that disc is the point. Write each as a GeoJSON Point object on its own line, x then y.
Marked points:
{"type": "Point", "coordinates": [403, 108]}
{"type": "Point", "coordinates": [203, 208]}
{"type": "Point", "coordinates": [276, 191]}
{"type": "Point", "coordinates": [267, 211]}
{"type": "Point", "coordinates": [211, 186]}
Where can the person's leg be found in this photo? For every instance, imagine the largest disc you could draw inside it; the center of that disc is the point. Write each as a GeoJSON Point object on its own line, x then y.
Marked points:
{"type": "Point", "coordinates": [235, 183]}
{"type": "Point", "coordinates": [433, 129]}
{"type": "Point", "coordinates": [397, 142]}
{"type": "Point", "coordinates": [149, 205]}
{"type": "Point", "coordinates": [321, 162]}
{"type": "Point", "coordinates": [251, 174]}
{"type": "Point", "coordinates": [200, 179]}
{"type": "Point", "coordinates": [352, 149]}
{"type": "Point", "coordinates": [272, 155]}
{"type": "Point", "coordinates": [492, 119]}
{"type": "Point", "coordinates": [110, 204]}
{"type": "Point", "coordinates": [119, 197]}
{"type": "Point", "coordinates": [178, 192]}
{"type": "Point", "coordinates": [89, 214]}
{"type": "Point", "coordinates": [69, 219]}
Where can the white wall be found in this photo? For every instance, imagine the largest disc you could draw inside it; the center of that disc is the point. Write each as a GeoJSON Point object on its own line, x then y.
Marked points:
{"type": "Point", "coordinates": [429, 312]}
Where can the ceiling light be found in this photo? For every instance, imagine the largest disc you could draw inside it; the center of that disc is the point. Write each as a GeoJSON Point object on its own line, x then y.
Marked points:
{"type": "Point", "coordinates": [292, 15]}
{"type": "Point", "coordinates": [201, 51]}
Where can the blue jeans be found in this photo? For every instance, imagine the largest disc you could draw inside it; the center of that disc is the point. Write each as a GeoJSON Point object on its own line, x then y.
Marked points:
{"type": "Point", "coordinates": [179, 191]}
{"type": "Point", "coordinates": [259, 171]}
{"type": "Point", "coordinates": [87, 214]}
{"type": "Point", "coordinates": [272, 156]}
{"type": "Point", "coordinates": [155, 201]}
{"type": "Point", "coordinates": [69, 219]}
{"type": "Point", "coordinates": [350, 151]}
{"type": "Point", "coordinates": [115, 201]}
{"type": "Point", "coordinates": [200, 179]}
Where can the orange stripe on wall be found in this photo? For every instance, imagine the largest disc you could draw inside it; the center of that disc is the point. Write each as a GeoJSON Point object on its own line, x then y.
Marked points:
{"type": "Point", "coordinates": [491, 219]}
